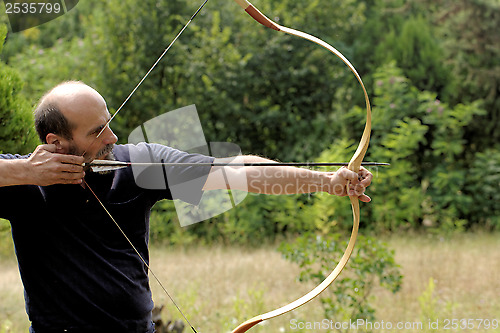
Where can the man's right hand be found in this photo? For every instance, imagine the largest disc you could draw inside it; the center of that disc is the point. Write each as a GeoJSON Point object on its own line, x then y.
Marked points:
{"type": "Point", "coordinates": [46, 167]}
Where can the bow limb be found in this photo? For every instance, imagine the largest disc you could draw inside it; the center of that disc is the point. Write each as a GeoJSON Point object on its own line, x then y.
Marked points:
{"type": "Point", "coordinates": [354, 165]}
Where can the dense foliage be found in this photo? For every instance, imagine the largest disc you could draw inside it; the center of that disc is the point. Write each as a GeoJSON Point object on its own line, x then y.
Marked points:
{"type": "Point", "coordinates": [348, 298]}
{"type": "Point", "coordinates": [431, 67]}
{"type": "Point", "coordinates": [16, 123]}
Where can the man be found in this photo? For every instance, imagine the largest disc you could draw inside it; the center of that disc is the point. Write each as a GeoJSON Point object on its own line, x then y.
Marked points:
{"type": "Point", "coordinates": [78, 271]}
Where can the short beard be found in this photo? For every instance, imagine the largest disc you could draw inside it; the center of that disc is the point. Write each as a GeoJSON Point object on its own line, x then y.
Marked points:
{"type": "Point", "coordinates": [73, 150]}
{"type": "Point", "coordinates": [106, 150]}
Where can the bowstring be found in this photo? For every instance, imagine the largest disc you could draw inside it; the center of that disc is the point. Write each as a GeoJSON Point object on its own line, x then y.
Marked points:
{"type": "Point", "coordinates": [107, 125]}
{"type": "Point", "coordinates": [140, 256]}
{"type": "Point", "coordinates": [147, 74]}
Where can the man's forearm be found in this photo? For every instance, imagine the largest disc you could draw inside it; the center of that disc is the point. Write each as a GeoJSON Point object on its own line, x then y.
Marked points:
{"type": "Point", "coordinates": [13, 172]}
{"type": "Point", "coordinates": [277, 179]}
{"type": "Point", "coordinates": [284, 180]}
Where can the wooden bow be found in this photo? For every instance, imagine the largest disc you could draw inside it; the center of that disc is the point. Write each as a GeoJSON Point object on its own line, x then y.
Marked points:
{"type": "Point", "coordinates": [353, 165]}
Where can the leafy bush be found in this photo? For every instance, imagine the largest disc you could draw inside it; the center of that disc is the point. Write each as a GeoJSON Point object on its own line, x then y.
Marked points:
{"type": "Point", "coordinates": [425, 141]}
{"type": "Point", "coordinates": [16, 123]}
{"type": "Point", "coordinates": [482, 187]}
{"type": "Point", "coordinates": [348, 298]}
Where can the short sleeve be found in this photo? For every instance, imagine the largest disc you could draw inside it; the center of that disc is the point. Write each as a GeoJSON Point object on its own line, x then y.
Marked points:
{"type": "Point", "coordinates": [183, 182]}
{"type": "Point", "coordinates": [12, 156]}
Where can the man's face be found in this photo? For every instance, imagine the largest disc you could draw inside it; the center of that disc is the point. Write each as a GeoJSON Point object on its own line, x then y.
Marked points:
{"type": "Point", "coordinates": [88, 113]}
{"type": "Point", "coordinates": [90, 140]}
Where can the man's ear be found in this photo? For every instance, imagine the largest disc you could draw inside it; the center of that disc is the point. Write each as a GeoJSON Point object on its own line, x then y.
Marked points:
{"type": "Point", "coordinates": [58, 141]}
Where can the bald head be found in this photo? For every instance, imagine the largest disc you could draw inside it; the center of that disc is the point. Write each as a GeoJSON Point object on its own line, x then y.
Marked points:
{"type": "Point", "coordinates": [60, 109]}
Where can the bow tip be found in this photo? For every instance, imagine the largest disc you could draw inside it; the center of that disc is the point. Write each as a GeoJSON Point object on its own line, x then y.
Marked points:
{"type": "Point", "coordinates": [248, 325]}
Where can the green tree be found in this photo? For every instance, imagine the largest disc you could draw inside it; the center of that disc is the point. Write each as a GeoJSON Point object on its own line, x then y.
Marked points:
{"type": "Point", "coordinates": [401, 31]}
{"type": "Point", "coordinates": [17, 134]}
{"type": "Point", "coordinates": [471, 40]}
{"type": "Point", "coordinates": [419, 54]}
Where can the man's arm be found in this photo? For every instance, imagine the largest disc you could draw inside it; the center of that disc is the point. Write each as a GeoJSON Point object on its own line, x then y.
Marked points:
{"type": "Point", "coordinates": [43, 167]}
{"type": "Point", "coordinates": [284, 179]}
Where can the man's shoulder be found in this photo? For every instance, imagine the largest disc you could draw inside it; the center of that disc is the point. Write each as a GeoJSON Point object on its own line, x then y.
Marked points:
{"type": "Point", "coordinates": [145, 152]}
{"type": "Point", "coordinates": [135, 152]}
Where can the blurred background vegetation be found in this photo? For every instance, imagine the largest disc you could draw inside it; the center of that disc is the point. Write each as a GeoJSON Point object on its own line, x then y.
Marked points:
{"type": "Point", "coordinates": [433, 73]}
{"type": "Point", "coordinates": [432, 69]}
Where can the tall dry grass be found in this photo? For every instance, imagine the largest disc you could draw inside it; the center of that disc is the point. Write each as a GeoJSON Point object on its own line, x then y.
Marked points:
{"type": "Point", "coordinates": [465, 271]}
{"type": "Point", "coordinates": [219, 287]}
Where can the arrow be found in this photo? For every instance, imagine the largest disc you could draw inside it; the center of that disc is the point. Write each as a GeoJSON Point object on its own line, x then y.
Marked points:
{"type": "Point", "coordinates": [107, 165]}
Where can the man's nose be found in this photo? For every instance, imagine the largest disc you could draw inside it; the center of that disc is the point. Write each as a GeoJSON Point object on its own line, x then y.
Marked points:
{"type": "Point", "coordinates": [109, 136]}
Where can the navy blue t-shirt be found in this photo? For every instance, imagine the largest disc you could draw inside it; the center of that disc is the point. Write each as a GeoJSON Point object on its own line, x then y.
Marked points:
{"type": "Point", "coordinates": [78, 271]}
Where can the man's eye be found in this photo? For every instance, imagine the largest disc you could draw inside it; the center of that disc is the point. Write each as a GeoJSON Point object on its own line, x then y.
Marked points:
{"type": "Point", "coordinates": [97, 131]}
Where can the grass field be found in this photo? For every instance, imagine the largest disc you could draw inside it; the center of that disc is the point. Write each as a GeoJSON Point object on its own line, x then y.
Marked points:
{"type": "Point", "coordinates": [444, 279]}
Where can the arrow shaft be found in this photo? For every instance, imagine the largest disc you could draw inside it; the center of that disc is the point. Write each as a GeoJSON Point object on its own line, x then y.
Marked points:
{"type": "Point", "coordinates": [118, 164]}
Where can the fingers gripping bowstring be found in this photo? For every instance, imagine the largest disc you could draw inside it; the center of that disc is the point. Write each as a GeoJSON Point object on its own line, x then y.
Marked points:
{"type": "Point", "coordinates": [107, 125]}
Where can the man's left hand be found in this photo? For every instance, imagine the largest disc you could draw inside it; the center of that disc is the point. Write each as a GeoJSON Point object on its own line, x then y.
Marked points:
{"type": "Point", "coordinates": [358, 182]}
